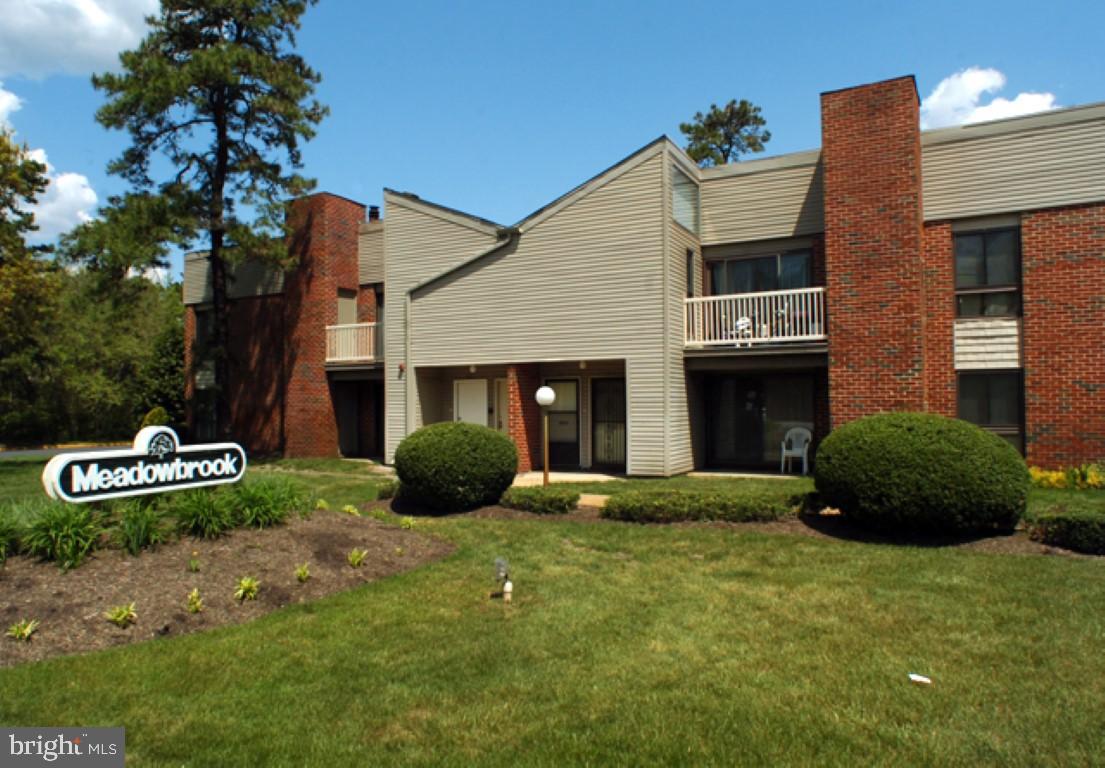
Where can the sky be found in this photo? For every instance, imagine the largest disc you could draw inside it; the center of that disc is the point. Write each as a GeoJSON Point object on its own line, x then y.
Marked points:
{"type": "Point", "coordinates": [496, 108]}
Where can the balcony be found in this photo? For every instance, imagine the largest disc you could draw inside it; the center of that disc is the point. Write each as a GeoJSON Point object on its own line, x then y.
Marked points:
{"type": "Point", "coordinates": [748, 320]}
{"type": "Point", "coordinates": [355, 343]}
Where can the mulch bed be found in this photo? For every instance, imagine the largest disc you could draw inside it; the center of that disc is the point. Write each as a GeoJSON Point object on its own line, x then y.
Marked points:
{"type": "Point", "coordinates": [70, 606]}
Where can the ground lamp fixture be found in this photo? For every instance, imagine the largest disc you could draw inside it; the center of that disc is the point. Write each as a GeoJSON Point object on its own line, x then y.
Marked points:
{"type": "Point", "coordinates": [545, 397]}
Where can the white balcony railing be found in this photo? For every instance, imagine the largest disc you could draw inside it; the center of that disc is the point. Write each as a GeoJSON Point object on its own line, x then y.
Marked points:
{"type": "Point", "coordinates": [355, 342]}
{"type": "Point", "coordinates": [752, 319]}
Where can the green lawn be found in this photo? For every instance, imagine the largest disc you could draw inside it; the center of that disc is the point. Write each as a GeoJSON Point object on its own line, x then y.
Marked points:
{"type": "Point", "coordinates": [788, 485]}
{"type": "Point", "coordinates": [626, 645]}
{"type": "Point", "coordinates": [20, 478]}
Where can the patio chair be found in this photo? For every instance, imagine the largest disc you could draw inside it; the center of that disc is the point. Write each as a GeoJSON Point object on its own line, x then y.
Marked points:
{"type": "Point", "coordinates": [795, 444]}
{"type": "Point", "coordinates": [742, 331]}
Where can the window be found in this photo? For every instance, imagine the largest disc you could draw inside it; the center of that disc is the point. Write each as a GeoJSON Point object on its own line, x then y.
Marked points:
{"type": "Point", "coordinates": [988, 273]}
{"type": "Point", "coordinates": [780, 271]}
{"type": "Point", "coordinates": [690, 273]}
{"type": "Point", "coordinates": [994, 401]}
{"type": "Point", "coordinates": [684, 200]}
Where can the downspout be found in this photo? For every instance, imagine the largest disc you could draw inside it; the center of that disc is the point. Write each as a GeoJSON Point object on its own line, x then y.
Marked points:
{"type": "Point", "coordinates": [508, 236]}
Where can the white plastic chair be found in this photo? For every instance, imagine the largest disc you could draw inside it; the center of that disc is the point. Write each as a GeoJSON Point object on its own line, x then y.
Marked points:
{"type": "Point", "coordinates": [742, 331]}
{"type": "Point", "coordinates": [798, 439]}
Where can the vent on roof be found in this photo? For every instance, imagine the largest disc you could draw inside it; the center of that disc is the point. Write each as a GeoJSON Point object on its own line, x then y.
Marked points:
{"type": "Point", "coordinates": [373, 213]}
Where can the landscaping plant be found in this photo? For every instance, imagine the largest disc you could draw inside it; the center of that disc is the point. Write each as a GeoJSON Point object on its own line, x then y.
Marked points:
{"type": "Point", "coordinates": [247, 589]}
{"type": "Point", "coordinates": [302, 573]}
{"type": "Point", "coordinates": [349, 509]}
{"type": "Point", "coordinates": [23, 629]}
{"type": "Point", "coordinates": [140, 525]}
{"type": "Point", "coordinates": [122, 616]}
{"type": "Point", "coordinates": [541, 500]}
{"type": "Point", "coordinates": [202, 513]}
{"type": "Point", "coordinates": [64, 533]}
{"type": "Point", "coordinates": [1081, 531]}
{"type": "Point", "coordinates": [663, 506]}
{"type": "Point", "coordinates": [9, 537]}
{"type": "Point", "coordinates": [920, 472]}
{"type": "Point", "coordinates": [454, 466]}
{"type": "Point", "coordinates": [195, 602]}
{"type": "Point", "coordinates": [265, 502]}
{"type": "Point", "coordinates": [406, 522]}
{"type": "Point", "coordinates": [194, 562]}
{"type": "Point", "coordinates": [356, 557]}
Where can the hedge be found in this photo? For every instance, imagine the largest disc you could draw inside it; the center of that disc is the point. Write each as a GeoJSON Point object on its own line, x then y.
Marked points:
{"type": "Point", "coordinates": [914, 472]}
{"type": "Point", "coordinates": [1080, 531]}
{"type": "Point", "coordinates": [679, 506]}
{"type": "Point", "coordinates": [541, 500]}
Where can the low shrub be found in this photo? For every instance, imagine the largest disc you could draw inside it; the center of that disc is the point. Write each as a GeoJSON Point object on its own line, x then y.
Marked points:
{"type": "Point", "coordinates": [264, 502]}
{"type": "Point", "coordinates": [155, 417]}
{"type": "Point", "coordinates": [64, 533]}
{"type": "Point", "coordinates": [1076, 530]}
{"type": "Point", "coordinates": [247, 589]}
{"type": "Point", "coordinates": [387, 489]}
{"type": "Point", "coordinates": [541, 500]}
{"type": "Point", "coordinates": [919, 472]}
{"type": "Point", "coordinates": [667, 506]}
{"type": "Point", "coordinates": [140, 525]}
{"type": "Point", "coordinates": [454, 466]}
{"type": "Point", "coordinates": [122, 616]}
{"type": "Point", "coordinates": [202, 513]}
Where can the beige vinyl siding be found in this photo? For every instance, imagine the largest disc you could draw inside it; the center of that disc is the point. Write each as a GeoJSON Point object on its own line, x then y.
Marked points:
{"type": "Point", "coordinates": [249, 278]}
{"type": "Point", "coordinates": [680, 457]}
{"type": "Point", "coordinates": [745, 203]}
{"type": "Point", "coordinates": [419, 243]}
{"type": "Point", "coordinates": [987, 343]}
{"type": "Point", "coordinates": [370, 253]}
{"type": "Point", "coordinates": [993, 168]}
{"type": "Point", "coordinates": [583, 284]}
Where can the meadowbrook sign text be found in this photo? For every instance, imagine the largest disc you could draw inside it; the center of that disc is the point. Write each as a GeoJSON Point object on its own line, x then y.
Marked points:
{"type": "Point", "coordinates": [156, 463]}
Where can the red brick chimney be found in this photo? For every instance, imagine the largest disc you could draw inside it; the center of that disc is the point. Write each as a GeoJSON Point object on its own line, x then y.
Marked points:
{"type": "Point", "coordinates": [324, 239]}
{"type": "Point", "coordinates": [871, 151]}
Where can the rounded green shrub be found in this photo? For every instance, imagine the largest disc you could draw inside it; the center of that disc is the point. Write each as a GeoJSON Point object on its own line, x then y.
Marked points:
{"type": "Point", "coordinates": [541, 500]}
{"type": "Point", "coordinates": [156, 417]}
{"type": "Point", "coordinates": [453, 466]}
{"type": "Point", "coordinates": [919, 472]}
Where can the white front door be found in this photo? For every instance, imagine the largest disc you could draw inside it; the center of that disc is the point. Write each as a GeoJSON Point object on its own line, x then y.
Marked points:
{"type": "Point", "coordinates": [470, 401]}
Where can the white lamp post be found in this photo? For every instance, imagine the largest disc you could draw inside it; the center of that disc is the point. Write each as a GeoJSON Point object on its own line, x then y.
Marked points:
{"type": "Point", "coordinates": [545, 397]}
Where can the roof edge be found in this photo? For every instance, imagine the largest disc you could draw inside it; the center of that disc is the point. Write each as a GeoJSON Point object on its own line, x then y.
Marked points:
{"type": "Point", "coordinates": [444, 211]}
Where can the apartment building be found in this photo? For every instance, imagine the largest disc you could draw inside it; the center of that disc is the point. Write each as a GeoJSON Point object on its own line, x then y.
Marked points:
{"type": "Point", "coordinates": [686, 317]}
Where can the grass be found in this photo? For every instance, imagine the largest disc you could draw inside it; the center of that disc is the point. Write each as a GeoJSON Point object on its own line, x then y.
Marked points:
{"type": "Point", "coordinates": [625, 645]}
{"type": "Point", "coordinates": [20, 478]}
{"type": "Point", "coordinates": [343, 466]}
{"type": "Point", "coordinates": [1044, 499]}
{"type": "Point", "coordinates": [789, 485]}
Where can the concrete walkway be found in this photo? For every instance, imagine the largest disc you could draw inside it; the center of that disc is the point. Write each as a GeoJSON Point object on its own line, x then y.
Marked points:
{"type": "Point", "coordinates": [527, 479]}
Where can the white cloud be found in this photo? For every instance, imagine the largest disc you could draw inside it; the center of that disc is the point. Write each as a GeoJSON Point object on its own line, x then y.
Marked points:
{"type": "Point", "coordinates": [42, 37]}
{"type": "Point", "coordinates": [9, 103]}
{"type": "Point", "coordinates": [68, 200]}
{"type": "Point", "coordinates": [156, 275]}
{"type": "Point", "coordinates": [955, 100]}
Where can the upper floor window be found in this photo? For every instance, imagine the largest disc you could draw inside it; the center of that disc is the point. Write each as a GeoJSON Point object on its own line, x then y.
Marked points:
{"type": "Point", "coordinates": [988, 273]}
{"type": "Point", "coordinates": [756, 274]}
{"type": "Point", "coordinates": [684, 200]}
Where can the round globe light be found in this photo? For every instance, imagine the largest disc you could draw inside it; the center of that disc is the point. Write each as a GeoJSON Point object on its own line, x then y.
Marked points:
{"type": "Point", "coordinates": [546, 396]}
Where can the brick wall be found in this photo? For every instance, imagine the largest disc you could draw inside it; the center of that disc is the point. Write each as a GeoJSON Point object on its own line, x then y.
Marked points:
{"type": "Point", "coordinates": [1063, 266]}
{"type": "Point", "coordinates": [366, 304]}
{"type": "Point", "coordinates": [938, 263]}
{"type": "Point", "coordinates": [872, 164]}
{"type": "Point", "coordinates": [325, 242]}
{"type": "Point", "coordinates": [525, 414]}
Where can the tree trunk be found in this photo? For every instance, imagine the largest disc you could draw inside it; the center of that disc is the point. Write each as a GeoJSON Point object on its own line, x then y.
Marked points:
{"type": "Point", "coordinates": [218, 274]}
